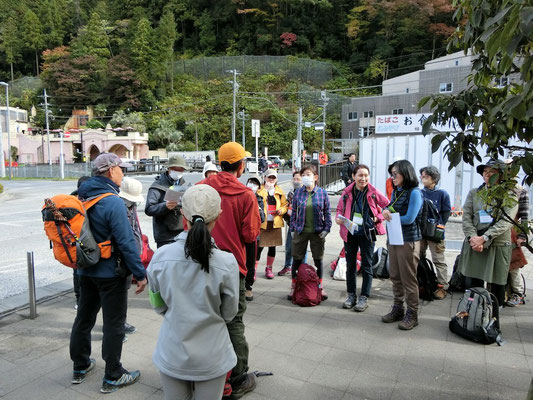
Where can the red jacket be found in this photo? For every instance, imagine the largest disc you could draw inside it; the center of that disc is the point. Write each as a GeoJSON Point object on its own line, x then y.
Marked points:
{"type": "Point", "coordinates": [239, 222]}
{"type": "Point", "coordinates": [376, 201]}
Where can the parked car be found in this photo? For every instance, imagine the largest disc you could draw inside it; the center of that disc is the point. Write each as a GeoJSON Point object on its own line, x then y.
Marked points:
{"type": "Point", "coordinates": [277, 160]}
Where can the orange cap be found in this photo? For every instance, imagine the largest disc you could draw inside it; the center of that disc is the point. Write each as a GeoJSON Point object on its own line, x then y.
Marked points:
{"type": "Point", "coordinates": [231, 152]}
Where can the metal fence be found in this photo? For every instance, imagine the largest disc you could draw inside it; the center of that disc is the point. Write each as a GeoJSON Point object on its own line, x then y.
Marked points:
{"type": "Point", "coordinates": [304, 69]}
{"type": "Point", "coordinates": [329, 177]}
{"type": "Point", "coordinates": [50, 171]}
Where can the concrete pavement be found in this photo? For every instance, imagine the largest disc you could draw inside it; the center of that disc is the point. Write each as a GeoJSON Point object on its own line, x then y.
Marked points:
{"type": "Point", "coordinates": [323, 352]}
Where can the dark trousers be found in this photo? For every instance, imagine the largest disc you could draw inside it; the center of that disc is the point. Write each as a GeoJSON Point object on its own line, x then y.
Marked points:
{"type": "Point", "coordinates": [76, 284]}
{"type": "Point", "coordinates": [236, 335]}
{"type": "Point", "coordinates": [271, 252]}
{"type": "Point", "coordinates": [497, 290]}
{"type": "Point", "coordinates": [352, 246]}
{"type": "Point", "coordinates": [111, 295]}
{"type": "Point", "coordinates": [250, 264]}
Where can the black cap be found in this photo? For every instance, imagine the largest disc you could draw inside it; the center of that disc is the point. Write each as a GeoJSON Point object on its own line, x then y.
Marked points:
{"type": "Point", "coordinates": [492, 163]}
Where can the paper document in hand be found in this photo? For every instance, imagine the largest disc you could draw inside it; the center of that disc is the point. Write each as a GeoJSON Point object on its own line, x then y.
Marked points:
{"type": "Point", "coordinates": [174, 195]}
{"type": "Point", "coordinates": [394, 230]}
{"type": "Point", "coordinates": [350, 225]}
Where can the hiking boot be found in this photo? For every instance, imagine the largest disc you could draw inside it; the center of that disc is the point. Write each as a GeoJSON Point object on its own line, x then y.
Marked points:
{"type": "Point", "coordinates": [439, 294]}
{"type": "Point", "coordinates": [349, 302]}
{"type": "Point", "coordinates": [514, 300]}
{"type": "Point", "coordinates": [396, 313]}
{"type": "Point", "coordinates": [127, 378]}
{"type": "Point", "coordinates": [268, 273]}
{"type": "Point", "coordinates": [324, 294]}
{"type": "Point", "coordinates": [249, 295]}
{"type": "Point", "coordinates": [285, 270]}
{"type": "Point", "coordinates": [362, 304]}
{"type": "Point", "coordinates": [409, 321]}
{"type": "Point", "coordinates": [79, 376]}
{"type": "Point", "coordinates": [125, 339]}
{"type": "Point", "coordinates": [246, 386]}
{"type": "Point", "coordinates": [129, 329]}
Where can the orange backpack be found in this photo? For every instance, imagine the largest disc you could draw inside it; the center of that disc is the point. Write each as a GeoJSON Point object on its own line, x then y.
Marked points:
{"type": "Point", "coordinates": [66, 224]}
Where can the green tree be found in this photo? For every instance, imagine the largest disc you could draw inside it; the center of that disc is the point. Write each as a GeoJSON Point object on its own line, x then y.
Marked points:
{"type": "Point", "coordinates": [142, 52]}
{"type": "Point", "coordinates": [166, 36]}
{"type": "Point", "coordinates": [32, 35]}
{"type": "Point", "coordinates": [92, 40]}
{"type": "Point", "coordinates": [167, 135]}
{"type": "Point", "coordinates": [500, 36]}
{"type": "Point", "coordinates": [11, 44]}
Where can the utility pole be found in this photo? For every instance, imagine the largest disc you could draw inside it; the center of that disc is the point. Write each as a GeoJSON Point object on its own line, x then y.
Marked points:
{"type": "Point", "coordinates": [47, 127]}
{"type": "Point", "coordinates": [235, 90]}
{"type": "Point", "coordinates": [298, 161]}
{"type": "Point", "coordinates": [242, 116]}
{"type": "Point", "coordinates": [325, 99]}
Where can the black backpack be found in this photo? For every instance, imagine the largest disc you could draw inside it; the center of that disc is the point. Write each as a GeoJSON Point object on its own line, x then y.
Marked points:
{"type": "Point", "coordinates": [427, 221]}
{"type": "Point", "coordinates": [380, 263]}
{"type": "Point", "coordinates": [477, 317]}
{"type": "Point", "coordinates": [427, 279]}
{"type": "Point", "coordinates": [457, 281]}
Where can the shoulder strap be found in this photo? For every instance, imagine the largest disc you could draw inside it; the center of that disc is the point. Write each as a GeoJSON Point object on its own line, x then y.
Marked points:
{"type": "Point", "coordinates": [158, 186]}
{"type": "Point", "coordinates": [89, 203]}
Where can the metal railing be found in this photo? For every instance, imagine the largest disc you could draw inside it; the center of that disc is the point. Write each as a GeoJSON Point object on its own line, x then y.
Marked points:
{"type": "Point", "coordinates": [329, 177]}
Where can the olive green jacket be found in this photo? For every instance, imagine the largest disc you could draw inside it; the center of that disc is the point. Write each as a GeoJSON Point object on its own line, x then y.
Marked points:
{"type": "Point", "coordinates": [500, 232]}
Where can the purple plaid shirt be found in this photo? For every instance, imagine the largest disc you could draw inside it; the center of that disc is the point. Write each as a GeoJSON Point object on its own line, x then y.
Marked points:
{"type": "Point", "coordinates": [321, 211]}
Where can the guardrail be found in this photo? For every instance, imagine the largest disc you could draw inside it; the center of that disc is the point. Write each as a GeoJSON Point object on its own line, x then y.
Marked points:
{"type": "Point", "coordinates": [329, 177]}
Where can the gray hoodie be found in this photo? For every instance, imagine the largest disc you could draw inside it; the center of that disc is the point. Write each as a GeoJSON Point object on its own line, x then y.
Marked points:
{"type": "Point", "coordinates": [193, 342]}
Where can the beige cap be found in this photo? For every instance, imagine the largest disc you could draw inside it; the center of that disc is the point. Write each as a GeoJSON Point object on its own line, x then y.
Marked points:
{"type": "Point", "coordinates": [271, 172]}
{"type": "Point", "coordinates": [178, 161]}
{"type": "Point", "coordinates": [131, 189]}
{"type": "Point", "coordinates": [202, 201]}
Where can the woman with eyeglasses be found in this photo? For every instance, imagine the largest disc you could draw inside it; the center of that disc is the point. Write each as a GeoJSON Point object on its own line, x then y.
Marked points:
{"type": "Point", "coordinates": [486, 252]}
{"type": "Point", "coordinates": [403, 259]}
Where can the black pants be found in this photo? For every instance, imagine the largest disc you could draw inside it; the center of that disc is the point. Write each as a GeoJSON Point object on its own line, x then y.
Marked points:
{"type": "Point", "coordinates": [296, 264]}
{"type": "Point", "coordinates": [250, 264]}
{"type": "Point", "coordinates": [76, 284]}
{"type": "Point", "coordinates": [497, 290]}
{"type": "Point", "coordinates": [111, 295]}
{"type": "Point", "coordinates": [352, 246]}
{"type": "Point", "coordinates": [271, 252]}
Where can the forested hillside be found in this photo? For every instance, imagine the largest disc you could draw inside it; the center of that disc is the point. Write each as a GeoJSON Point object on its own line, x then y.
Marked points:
{"type": "Point", "coordinates": [121, 54]}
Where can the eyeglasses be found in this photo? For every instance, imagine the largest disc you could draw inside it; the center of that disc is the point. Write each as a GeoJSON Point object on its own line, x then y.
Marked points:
{"type": "Point", "coordinates": [394, 174]}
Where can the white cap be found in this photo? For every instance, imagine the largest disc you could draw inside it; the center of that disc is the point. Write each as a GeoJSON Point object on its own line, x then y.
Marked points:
{"type": "Point", "coordinates": [271, 172]}
{"type": "Point", "coordinates": [202, 201]}
{"type": "Point", "coordinates": [209, 166]}
{"type": "Point", "coordinates": [131, 189]}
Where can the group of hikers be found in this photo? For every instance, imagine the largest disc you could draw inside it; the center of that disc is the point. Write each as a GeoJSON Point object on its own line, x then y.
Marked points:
{"type": "Point", "coordinates": [210, 244]}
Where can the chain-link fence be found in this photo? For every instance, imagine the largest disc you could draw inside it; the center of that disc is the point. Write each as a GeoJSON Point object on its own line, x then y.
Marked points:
{"type": "Point", "coordinates": [50, 171]}
{"type": "Point", "coordinates": [306, 70]}
{"type": "Point", "coordinates": [18, 86]}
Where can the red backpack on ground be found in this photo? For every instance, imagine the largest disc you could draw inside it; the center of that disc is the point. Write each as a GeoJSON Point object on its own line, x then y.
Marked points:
{"type": "Point", "coordinates": [307, 291]}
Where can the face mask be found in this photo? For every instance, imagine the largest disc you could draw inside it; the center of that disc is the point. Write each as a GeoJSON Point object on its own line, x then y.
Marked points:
{"type": "Point", "coordinates": [307, 181]}
{"type": "Point", "coordinates": [297, 185]}
{"type": "Point", "coordinates": [268, 185]}
{"type": "Point", "coordinates": [175, 175]}
{"type": "Point", "coordinates": [253, 186]}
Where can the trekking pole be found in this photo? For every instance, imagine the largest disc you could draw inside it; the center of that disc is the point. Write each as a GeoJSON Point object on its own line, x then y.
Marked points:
{"type": "Point", "coordinates": [31, 285]}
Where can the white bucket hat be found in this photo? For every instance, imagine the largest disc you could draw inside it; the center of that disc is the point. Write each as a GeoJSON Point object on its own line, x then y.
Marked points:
{"type": "Point", "coordinates": [131, 189]}
{"type": "Point", "coordinates": [209, 166]}
{"type": "Point", "coordinates": [201, 201]}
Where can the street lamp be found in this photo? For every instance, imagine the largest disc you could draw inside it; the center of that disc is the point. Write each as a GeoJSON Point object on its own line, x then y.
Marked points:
{"type": "Point", "coordinates": [7, 128]}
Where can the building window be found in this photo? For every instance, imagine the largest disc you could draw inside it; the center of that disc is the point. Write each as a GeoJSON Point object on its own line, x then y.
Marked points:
{"type": "Point", "coordinates": [368, 114]}
{"type": "Point", "coordinates": [397, 111]}
{"type": "Point", "coordinates": [352, 116]}
{"type": "Point", "coordinates": [446, 87]}
{"type": "Point", "coordinates": [350, 135]}
{"type": "Point", "coordinates": [456, 63]}
{"type": "Point", "coordinates": [406, 90]}
{"type": "Point", "coordinates": [502, 81]}
{"type": "Point", "coordinates": [364, 132]}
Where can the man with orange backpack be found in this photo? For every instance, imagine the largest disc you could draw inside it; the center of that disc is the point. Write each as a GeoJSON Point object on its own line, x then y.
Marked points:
{"type": "Point", "coordinates": [105, 284]}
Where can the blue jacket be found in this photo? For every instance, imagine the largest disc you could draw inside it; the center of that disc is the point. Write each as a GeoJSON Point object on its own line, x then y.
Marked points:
{"type": "Point", "coordinates": [108, 219]}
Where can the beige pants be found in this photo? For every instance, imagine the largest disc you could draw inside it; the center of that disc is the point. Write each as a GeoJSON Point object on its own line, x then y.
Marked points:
{"type": "Point", "coordinates": [403, 262]}
{"type": "Point", "coordinates": [178, 389]}
{"type": "Point", "coordinates": [516, 284]}
{"type": "Point", "coordinates": [437, 256]}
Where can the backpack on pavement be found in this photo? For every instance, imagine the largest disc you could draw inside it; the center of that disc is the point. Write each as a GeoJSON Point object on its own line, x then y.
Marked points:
{"type": "Point", "coordinates": [66, 224]}
{"type": "Point", "coordinates": [307, 291]}
{"type": "Point", "coordinates": [427, 279]}
{"type": "Point", "coordinates": [457, 281]}
{"type": "Point", "coordinates": [380, 263]}
{"type": "Point", "coordinates": [477, 317]}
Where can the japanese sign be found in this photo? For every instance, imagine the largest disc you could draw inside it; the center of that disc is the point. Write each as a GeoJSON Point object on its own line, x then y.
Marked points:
{"type": "Point", "coordinates": [410, 123]}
